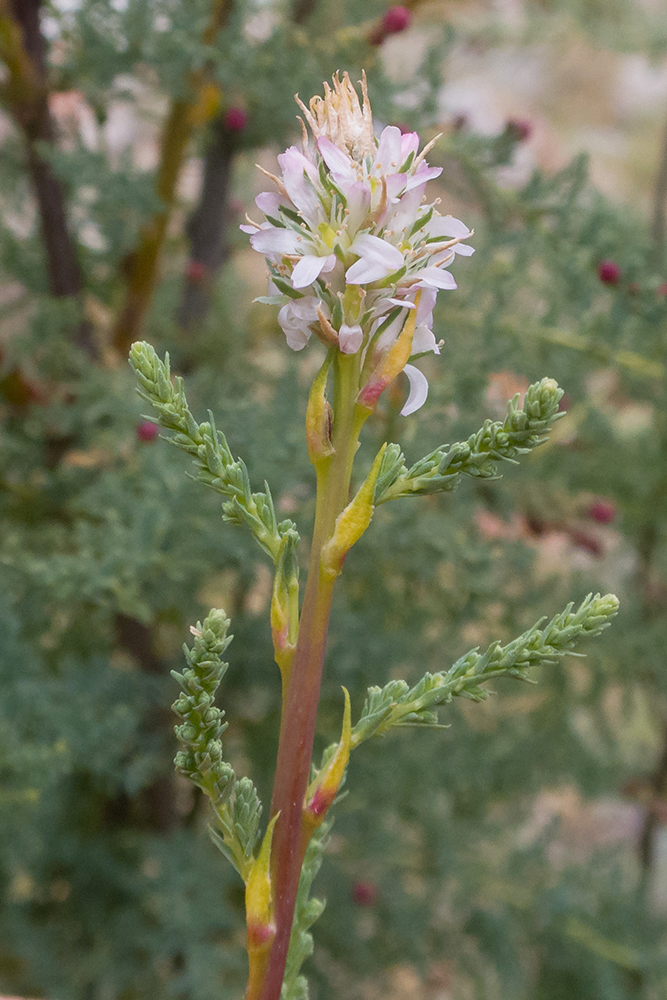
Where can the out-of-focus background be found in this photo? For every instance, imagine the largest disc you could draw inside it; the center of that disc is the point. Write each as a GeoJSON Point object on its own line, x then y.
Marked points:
{"type": "Point", "coordinates": [520, 854]}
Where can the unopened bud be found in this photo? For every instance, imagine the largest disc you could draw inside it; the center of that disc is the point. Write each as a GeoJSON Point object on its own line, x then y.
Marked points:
{"type": "Point", "coordinates": [322, 793]}
{"type": "Point", "coordinates": [352, 522]}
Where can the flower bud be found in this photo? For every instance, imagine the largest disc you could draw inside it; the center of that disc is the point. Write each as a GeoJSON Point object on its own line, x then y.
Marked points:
{"type": "Point", "coordinates": [609, 272]}
{"type": "Point", "coordinates": [236, 119]}
{"type": "Point", "coordinates": [326, 785]}
{"type": "Point", "coordinates": [396, 19]}
{"type": "Point", "coordinates": [147, 431]}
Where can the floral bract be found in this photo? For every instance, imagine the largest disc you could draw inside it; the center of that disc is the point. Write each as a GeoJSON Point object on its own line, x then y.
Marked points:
{"type": "Point", "coordinates": [351, 244]}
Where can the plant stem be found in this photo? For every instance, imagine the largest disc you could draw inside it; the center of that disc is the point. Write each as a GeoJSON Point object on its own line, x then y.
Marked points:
{"type": "Point", "coordinates": [178, 130]}
{"type": "Point", "coordinates": [297, 729]}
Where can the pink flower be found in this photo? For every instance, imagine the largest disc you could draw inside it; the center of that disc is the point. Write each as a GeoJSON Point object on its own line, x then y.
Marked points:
{"type": "Point", "coordinates": [351, 243]}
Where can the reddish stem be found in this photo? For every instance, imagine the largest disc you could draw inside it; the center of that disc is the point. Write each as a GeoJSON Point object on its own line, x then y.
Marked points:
{"type": "Point", "coordinates": [297, 729]}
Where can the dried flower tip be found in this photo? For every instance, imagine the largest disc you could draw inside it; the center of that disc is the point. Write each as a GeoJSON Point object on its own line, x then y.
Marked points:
{"type": "Point", "coordinates": [340, 117]}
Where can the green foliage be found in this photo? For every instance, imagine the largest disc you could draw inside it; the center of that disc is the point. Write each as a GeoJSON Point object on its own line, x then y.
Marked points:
{"type": "Point", "coordinates": [524, 428]}
{"type": "Point", "coordinates": [235, 802]}
{"type": "Point", "coordinates": [208, 446]}
{"type": "Point", "coordinates": [110, 885]}
{"type": "Point", "coordinates": [398, 705]}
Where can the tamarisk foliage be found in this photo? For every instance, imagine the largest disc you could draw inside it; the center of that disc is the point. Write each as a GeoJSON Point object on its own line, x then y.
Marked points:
{"type": "Point", "coordinates": [524, 428]}
{"type": "Point", "coordinates": [234, 801]}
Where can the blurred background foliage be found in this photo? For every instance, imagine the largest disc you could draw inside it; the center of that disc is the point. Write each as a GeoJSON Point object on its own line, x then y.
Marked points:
{"type": "Point", "coordinates": [520, 854]}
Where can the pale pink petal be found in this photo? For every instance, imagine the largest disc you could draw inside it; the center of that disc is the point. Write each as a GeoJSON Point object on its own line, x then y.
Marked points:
{"type": "Point", "coordinates": [409, 144]}
{"type": "Point", "coordinates": [269, 202]}
{"type": "Point", "coordinates": [422, 176]}
{"type": "Point", "coordinates": [434, 277]}
{"type": "Point", "coordinates": [418, 390]}
{"type": "Point", "coordinates": [276, 241]}
{"type": "Point", "coordinates": [358, 205]}
{"type": "Point", "coordinates": [423, 340]}
{"type": "Point", "coordinates": [329, 263]}
{"type": "Point", "coordinates": [307, 270]}
{"type": "Point", "coordinates": [363, 272]}
{"type": "Point", "coordinates": [374, 249]}
{"type": "Point", "coordinates": [336, 159]}
{"type": "Point", "coordinates": [244, 229]}
{"type": "Point", "coordinates": [350, 338]}
{"type": "Point", "coordinates": [464, 249]}
{"type": "Point", "coordinates": [296, 337]}
{"type": "Point", "coordinates": [300, 179]}
{"type": "Point", "coordinates": [388, 156]}
{"type": "Point", "coordinates": [426, 306]}
{"type": "Point", "coordinates": [447, 225]}
{"type": "Point", "coordinates": [403, 303]}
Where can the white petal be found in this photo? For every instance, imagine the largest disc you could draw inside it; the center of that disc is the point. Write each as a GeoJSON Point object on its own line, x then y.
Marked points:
{"type": "Point", "coordinates": [426, 307]}
{"type": "Point", "coordinates": [350, 338]}
{"type": "Point", "coordinates": [249, 229]}
{"type": "Point", "coordinates": [306, 270]}
{"type": "Point", "coordinates": [276, 241]}
{"type": "Point", "coordinates": [418, 390]}
{"type": "Point", "coordinates": [363, 272]}
{"type": "Point", "coordinates": [374, 249]}
{"type": "Point", "coordinates": [422, 176]}
{"type": "Point", "coordinates": [434, 277]}
{"type": "Point", "coordinates": [409, 144]}
{"type": "Point", "coordinates": [296, 337]}
{"type": "Point", "coordinates": [423, 340]}
{"type": "Point", "coordinates": [358, 205]}
{"type": "Point", "coordinates": [464, 249]}
{"type": "Point", "coordinates": [447, 225]}
{"type": "Point", "coordinates": [269, 202]}
{"type": "Point", "coordinates": [336, 159]}
{"type": "Point", "coordinates": [388, 156]}
{"type": "Point", "coordinates": [329, 263]}
{"type": "Point", "coordinates": [403, 303]}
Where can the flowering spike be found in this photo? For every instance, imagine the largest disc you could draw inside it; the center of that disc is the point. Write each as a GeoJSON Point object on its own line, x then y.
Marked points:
{"type": "Point", "coordinates": [319, 418]}
{"type": "Point", "coordinates": [352, 522]}
{"type": "Point", "coordinates": [324, 789]}
{"type": "Point", "coordinates": [349, 238]}
{"type": "Point", "coordinates": [391, 363]}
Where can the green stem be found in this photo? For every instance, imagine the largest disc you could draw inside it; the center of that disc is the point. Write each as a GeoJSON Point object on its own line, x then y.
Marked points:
{"type": "Point", "coordinates": [297, 729]}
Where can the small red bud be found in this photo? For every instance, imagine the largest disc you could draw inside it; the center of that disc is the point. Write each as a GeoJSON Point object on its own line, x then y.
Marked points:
{"type": "Point", "coordinates": [609, 272]}
{"type": "Point", "coordinates": [519, 128]}
{"type": "Point", "coordinates": [364, 893]}
{"type": "Point", "coordinates": [147, 431]}
{"type": "Point", "coordinates": [602, 511]}
{"type": "Point", "coordinates": [396, 19]}
{"type": "Point", "coordinates": [196, 272]}
{"type": "Point", "coordinates": [236, 119]}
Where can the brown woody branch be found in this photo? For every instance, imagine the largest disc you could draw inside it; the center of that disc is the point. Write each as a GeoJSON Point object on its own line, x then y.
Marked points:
{"type": "Point", "coordinates": [178, 129]}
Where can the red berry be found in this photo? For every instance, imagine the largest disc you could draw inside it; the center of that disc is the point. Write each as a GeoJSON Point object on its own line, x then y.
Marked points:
{"type": "Point", "coordinates": [396, 19]}
{"type": "Point", "coordinates": [147, 431]}
{"type": "Point", "coordinates": [236, 119]}
{"type": "Point", "coordinates": [609, 272]}
{"type": "Point", "coordinates": [364, 893]}
{"type": "Point", "coordinates": [602, 511]}
{"type": "Point", "coordinates": [196, 272]}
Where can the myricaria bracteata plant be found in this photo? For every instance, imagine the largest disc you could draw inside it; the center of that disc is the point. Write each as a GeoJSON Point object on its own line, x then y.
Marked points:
{"type": "Point", "coordinates": [356, 256]}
